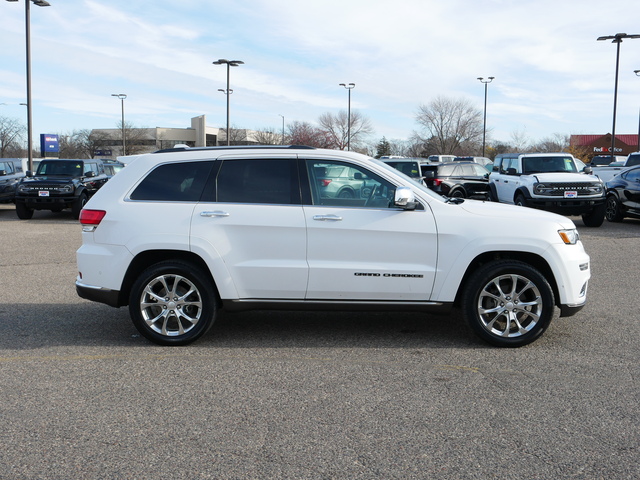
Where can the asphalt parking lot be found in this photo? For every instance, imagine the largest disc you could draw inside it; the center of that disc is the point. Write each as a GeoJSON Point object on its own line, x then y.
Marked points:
{"type": "Point", "coordinates": [310, 396]}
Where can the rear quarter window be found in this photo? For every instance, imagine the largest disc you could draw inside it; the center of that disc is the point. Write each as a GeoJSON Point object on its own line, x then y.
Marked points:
{"type": "Point", "coordinates": [174, 182]}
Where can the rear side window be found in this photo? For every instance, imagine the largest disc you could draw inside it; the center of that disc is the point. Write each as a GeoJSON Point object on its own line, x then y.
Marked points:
{"type": "Point", "coordinates": [269, 181]}
{"type": "Point", "coordinates": [174, 182]}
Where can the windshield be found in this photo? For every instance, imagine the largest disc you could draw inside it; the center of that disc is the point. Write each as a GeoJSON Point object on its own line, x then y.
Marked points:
{"type": "Point", "coordinates": [71, 168]}
{"type": "Point", "coordinates": [540, 164]}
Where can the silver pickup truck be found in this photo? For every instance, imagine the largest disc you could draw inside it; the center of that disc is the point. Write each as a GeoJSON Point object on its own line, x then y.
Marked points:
{"type": "Point", "coordinates": [607, 172]}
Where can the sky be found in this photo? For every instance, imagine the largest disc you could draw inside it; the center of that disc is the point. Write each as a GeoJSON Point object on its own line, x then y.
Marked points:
{"type": "Point", "coordinates": [551, 75]}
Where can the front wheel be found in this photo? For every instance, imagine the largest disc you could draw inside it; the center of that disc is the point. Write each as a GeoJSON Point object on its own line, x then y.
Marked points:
{"type": "Point", "coordinates": [79, 204]}
{"type": "Point", "coordinates": [520, 200]}
{"type": "Point", "coordinates": [23, 212]}
{"type": "Point", "coordinates": [457, 193]}
{"type": "Point", "coordinates": [595, 217]}
{"type": "Point", "coordinates": [613, 211]}
{"type": "Point", "coordinates": [508, 303]}
{"type": "Point", "coordinates": [173, 303]}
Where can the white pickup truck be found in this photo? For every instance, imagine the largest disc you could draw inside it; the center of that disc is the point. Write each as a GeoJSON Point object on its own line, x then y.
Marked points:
{"type": "Point", "coordinates": [607, 172]}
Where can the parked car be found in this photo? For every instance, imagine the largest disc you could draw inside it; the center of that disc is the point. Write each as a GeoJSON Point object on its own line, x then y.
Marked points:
{"type": "Point", "coordinates": [556, 182]}
{"type": "Point", "coordinates": [623, 195]}
{"type": "Point", "coordinates": [341, 181]}
{"type": "Point", "coordinates": [178, 235]}
{"type": "Point", "coordinates": [602, 160]}
{"type": "Point", "coordinates": [607, 172]}
{"type": "Point", "coordinates": [111, 167]}
{"type": "Point", "coordinates": [484, 161]}
{"type": "Point", "coordinates": [10, 174]}
{"type": "Point", "coordinates": [441, 158]}
{"type": "Point", "coordinates": [457, 179]}
{"type": "Point", "coordinates": [59, 184]}
{"type": "Point", "coordinates": [411, 167]}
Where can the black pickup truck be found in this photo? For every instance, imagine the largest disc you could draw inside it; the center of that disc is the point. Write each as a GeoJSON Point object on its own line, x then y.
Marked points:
{"type": "Point", "coordinates": [59, 184]}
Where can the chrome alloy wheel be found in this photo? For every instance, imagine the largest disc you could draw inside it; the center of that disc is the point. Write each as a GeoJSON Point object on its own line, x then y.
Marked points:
{"type": "Point", "coordinates": [171, 305]}
{"type": "Point", "coordinates": [509, 306]}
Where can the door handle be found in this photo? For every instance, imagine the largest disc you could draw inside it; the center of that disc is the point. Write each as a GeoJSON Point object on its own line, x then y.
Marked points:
{"type": "Point", "coordinates": [327, 218]}
{"type": "Point", "coordinates": [217, 213]}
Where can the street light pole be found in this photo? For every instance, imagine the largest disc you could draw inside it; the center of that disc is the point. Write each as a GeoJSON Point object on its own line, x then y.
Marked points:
{"type": "Point", "coordinates": [228, 63]}
{"type": "Point", "coordinates": [617, 39]}
{"type": "Point", "coordinates": [121, 96]}
{"type": "Point", "coordinates": [27, 15]}
{"type": "Point", "coordinates": [349, 87]}
{"type": "Point", "coordinates": [637, 72]}
{"type": "Point", "coordinates": [282, 128]}
{"type": "Point", "coordinates": [484, 123]}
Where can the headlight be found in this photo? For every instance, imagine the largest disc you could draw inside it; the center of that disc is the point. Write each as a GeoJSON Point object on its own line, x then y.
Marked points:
{"type": "Point", "coordinates": [23, 188]}
{"type": "Point", "coordinates": [570, 236]}
{"type": "Point", "coordinates": [541, 188]}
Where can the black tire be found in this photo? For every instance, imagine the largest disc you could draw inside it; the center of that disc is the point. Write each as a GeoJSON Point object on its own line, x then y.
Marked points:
{"type": "Point", "coordinates": [457, 193]}
{"type": "Point", "coordinates": [79, 204]}
{"type": "Point", "coordinates": [521, 201]}
{"type": "Point", "coordinates": [173, 303]}
{"type": "Point", "coordinates": [508, 303]}
{"type": "Point", "coordinates": [613, 210]}
{"type": "Point", "coordinates": [23, 212]}
{"type": "Point", "coordinates": [595, 217]}
{"type": "Point", "coordinates": [346, 193]}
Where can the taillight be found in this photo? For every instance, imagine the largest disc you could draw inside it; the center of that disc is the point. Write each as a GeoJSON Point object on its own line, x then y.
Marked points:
{"type": "Point", "coordinates": [437, 182]}
{"type": "Point", "coordinates": [325, 182]}
{"type": "Point", "coordinates": [91, 217]}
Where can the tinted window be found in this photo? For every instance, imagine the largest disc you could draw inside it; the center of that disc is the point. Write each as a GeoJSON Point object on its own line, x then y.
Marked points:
{"type": "Point", "coordinates": [70, 168]}
{"type": "Point", "coordinates": [447, 170]}
{"type": "Point", "coordinates": [174, 182]}
{"type": "Point", "coordinates": [355, 187]}
{"type": "Point", "coordinates": [258, 181]}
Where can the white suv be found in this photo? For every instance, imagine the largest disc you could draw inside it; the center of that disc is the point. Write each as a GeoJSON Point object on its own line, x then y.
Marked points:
{"type": "Point", "coordinates": [179, 234]}
{"type": "Point", "coordinates": [556, 182]}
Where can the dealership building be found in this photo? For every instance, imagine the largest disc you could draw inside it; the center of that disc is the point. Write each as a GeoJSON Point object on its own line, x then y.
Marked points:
{"type": "Point", "coordinates": [144, 140]}
{"type": "Point", "coordinates": [601, 144]}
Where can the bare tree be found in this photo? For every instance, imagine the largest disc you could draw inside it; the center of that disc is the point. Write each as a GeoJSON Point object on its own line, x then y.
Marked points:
{"type": "Point", "coordinates": [556, 143]}
{"type": "Point", "coordinates": [519, 141]}
{"type": "Point", "coordinates": [269, 136]}
{"type": "Point", "coordinates": [451, 127]}
{"type": "Point", "coordinates": [304, 133]}
{"type": "Point", "coordinates": [11, 137]}
{"type": "Point", "coordinates": [336, 128]}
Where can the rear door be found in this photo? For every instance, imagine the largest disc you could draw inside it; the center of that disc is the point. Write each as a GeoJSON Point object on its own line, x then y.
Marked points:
{"type": "Point", "coordinates": [255, 224]}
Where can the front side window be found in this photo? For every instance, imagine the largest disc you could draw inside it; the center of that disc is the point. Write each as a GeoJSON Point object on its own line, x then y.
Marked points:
{"type": "Point", "coordinates": [267, 181]}
{"type": "Point", "coordinates": [341, 184]}
{"type": "Point", "coordinates": [6, 167]}
{"type": "Point", "coordinates": [174, 182]}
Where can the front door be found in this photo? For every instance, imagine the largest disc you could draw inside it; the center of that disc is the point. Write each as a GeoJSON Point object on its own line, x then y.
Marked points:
{"type": "Point", "coordinates": [365, 248]}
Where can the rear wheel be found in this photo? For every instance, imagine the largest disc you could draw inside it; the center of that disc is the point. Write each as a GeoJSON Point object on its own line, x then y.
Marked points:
{"type": "Point", "coordinates": [24, 212]}
{"type": "Point", "coordinates": [508, 303]}
{"type": "Point", "coordinates": [457, 193]}
{"type": "Point", "coordinates": [613, 211]}
{"type": "Point", "coordinates": [173, 303]}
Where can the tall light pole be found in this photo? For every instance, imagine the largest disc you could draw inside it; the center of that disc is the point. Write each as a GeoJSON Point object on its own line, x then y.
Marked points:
{"type": "Point", "coordinates": [228, 63]}
{"type": "Point", "coordinates": [121, 96]}
{"type": "Point", "coordinates": [282, 128]}
{"type": "Point", "coordinates": [27, 15]}
{"type": "Point", "coordinates": [349, 87]}
{"type": "Point", "coordinates": [617, 39]}
{"type": "Point", "coordinates": [484, 123]}
{"type": "Point", "coordinates": [637, 72]}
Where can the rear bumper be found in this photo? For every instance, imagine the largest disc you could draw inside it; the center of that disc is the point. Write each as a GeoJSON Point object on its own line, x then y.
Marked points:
{"type": "Point", "coordinates": [98, 294]}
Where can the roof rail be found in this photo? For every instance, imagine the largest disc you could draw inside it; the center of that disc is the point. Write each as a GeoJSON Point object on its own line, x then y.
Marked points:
{"type": "Point", "coordinates": [236, 147]}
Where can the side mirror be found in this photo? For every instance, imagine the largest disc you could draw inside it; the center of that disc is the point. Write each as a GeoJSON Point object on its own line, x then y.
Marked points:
{"type": "Point", "coordinates": [511, 171]}
{"type": "Point", "coordinates": [405, 198]}
{"type": "Point", "coordinates": [29, 173]}
{"type": "Point", "coordinates": [90, 174]}
{"type": "Point", "coordinates": [587, 170]}
{"type": "Point", "coordinates": [3, 173]}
